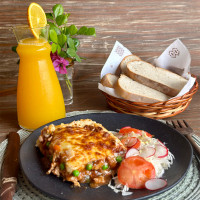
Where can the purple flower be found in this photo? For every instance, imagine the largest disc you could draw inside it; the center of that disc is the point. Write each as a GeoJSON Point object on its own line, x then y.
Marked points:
{"type": "Point", "coordinates": [59, 63]}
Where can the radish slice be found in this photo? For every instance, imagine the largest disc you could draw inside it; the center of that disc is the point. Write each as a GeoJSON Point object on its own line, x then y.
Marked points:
{"type": "Point", "coordinates": [147, 152]}
{"type": "Point", "coordinates": [132, 152]}
{"type": "Point", "coordinates": [155, 184]}
{"type": "Point", "coordinates": [161, 151]}
{"type": "Point", "coordinates": [161, 143]}
{"type": "Point", "coordinates": [132, 141]}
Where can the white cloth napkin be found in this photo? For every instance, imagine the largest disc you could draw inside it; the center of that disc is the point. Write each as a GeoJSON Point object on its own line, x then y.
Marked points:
{"type": "Point", "coordinates": [175, 58]}
{"type": "Point", "coordinates": [117, 54]}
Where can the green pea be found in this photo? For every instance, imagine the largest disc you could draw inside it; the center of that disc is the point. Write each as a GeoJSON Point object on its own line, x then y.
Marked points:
{"type": "Point", "coordinates": [62, 166]}
{"type": "Point", "coordinates": [119, 159]}
{"type": "Point", "coordinates": [76, 173]}
{"type": "Point", "coordinates": [89, 166]}
{"type": "Point", "coordinates": [104, 167]}
{"type": "Point", "coordinates": [47, 144]}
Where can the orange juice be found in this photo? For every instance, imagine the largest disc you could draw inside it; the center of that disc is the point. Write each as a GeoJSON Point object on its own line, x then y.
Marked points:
{"type": "Point", "coordinates": [39, 96]}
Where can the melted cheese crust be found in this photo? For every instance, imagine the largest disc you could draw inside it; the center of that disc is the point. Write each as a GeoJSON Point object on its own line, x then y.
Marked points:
{"type": "Point", "coordinates": [81, 142]}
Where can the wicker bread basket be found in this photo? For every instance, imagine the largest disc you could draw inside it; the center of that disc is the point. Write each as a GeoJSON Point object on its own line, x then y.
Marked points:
{"type": "Point", "coordinates": [159, 110]}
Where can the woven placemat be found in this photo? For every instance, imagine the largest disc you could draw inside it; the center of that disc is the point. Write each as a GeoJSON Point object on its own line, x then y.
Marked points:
{"type": "Point", "coordinates": [187, 189]}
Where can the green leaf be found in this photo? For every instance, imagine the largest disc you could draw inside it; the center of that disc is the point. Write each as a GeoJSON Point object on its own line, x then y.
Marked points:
{"type": "Point", "coordinates": [71, 52]}
{"type": "Point", "coordinates": [77, 58]}
{"type": "Point", "coordinates": [86, 31]}
{"type": "Point", "coordinates": [76, 42]}
{"type": "Point", "coordinates": [53, 26]}
{"type": "Point", "coordinates": [53, 47]}
{"type": "Point", "coordinates": [58, 48]}
{"type": "Point", "coordinates": [61, 19]}
{"type": "Point", "coordinates": [82, 30]}
{"type": "Point", "coordinates": [66, 31]}
{"type": "Point", "coordinates": [58, 10]}
{"type": "Point", "coordinates": [63, 54]}
{"type": "Point", "coordinates": [70, 43]}
{"type": "Point", "coordinates": [53, 36]}
{"type": "Point", "coordinates": [91, 31]}
{"type": "Point", "coordinates": [14, 49]}
{"type": "Point", "coordinates": [49, 16]}
{"type": "Point", "coordinates": [72, 30]}
{"type": "Point", "coordinates": [62, 39]}
{"type": "Point", "coordinates": [43, 32]}
{"type": "Point", "coordinates": [68, 14]}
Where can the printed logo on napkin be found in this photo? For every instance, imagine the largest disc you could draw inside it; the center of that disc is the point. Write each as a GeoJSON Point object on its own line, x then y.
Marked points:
{"type": "Point", "coordinates": [117, 54]}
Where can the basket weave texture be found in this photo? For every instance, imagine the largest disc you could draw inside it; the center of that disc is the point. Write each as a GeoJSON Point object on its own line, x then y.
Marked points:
{"type": "Point", "coordinates": [159, 110]}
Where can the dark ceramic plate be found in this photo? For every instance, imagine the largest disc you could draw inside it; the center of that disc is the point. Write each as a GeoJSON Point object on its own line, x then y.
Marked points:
{"type": "Point", "coordinates": [31, 165]}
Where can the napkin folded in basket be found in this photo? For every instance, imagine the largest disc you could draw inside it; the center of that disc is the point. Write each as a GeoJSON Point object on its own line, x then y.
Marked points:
{"type": "Point", "coordinates": [175, 58]}
{"type": "Point", "coordinates": [10, 167]}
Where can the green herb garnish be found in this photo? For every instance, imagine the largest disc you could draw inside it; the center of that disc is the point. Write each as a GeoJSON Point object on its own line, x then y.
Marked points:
{"type": "Point", "coordinates": [62, 166]}
{"type": "Point", "coordinates": [47, 144]}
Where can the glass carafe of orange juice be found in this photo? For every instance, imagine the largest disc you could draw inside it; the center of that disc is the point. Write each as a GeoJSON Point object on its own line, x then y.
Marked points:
{"type": "Point", "coordinates": [39, 96]}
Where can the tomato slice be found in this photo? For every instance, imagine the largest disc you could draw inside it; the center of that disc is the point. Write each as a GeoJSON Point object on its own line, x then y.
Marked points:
{"type": "Point", "coordinates": [136, 145]}
{"type": "Point", "coordinates": [148, 134]}
{"type": "Point", "coordinates": [131, 142]}
{"type": "Point", "coordinates": [135, 171]}
{"type": "Point", "coordinates": [137, 131]}
{"type": "Point", "coordinates": [128, 129]}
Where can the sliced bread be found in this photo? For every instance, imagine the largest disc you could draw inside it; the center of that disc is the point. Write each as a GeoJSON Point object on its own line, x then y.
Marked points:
{"type": "Point", "coordinates": [109, 80]}
{"type": "Point", "coordinates": [134, 91]}
{"type": "Point", "coordinates": [157, 78]}
{"type": "Point", "coordinates": [125, 60]}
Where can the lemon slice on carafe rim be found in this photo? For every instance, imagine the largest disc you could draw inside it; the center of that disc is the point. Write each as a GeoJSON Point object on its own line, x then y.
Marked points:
{"type": "Point", "coordinates": [36, 19]}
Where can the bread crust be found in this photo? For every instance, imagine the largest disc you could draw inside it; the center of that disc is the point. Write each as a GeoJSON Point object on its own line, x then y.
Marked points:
{"type": "Point", "coordinates": [133, 97]}
{"type": "Point", "coordinates": [152, 83]}
{"type": "Point", "coordinates": [120, 70]}
{"type": "Point", "coordinates": [105, 81]}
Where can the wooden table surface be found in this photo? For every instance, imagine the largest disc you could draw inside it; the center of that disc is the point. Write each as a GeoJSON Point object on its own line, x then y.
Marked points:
{"type": "Point", "coordinates": [145, 27]}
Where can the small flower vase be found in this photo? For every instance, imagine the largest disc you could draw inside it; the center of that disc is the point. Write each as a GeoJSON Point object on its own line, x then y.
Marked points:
{"type": "Point", "coordinates": [66, 84]}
